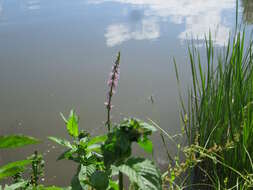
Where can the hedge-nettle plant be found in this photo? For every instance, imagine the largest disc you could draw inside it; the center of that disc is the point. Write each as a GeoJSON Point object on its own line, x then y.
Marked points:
{"type": "Point", "coordinates": [103, 159]}
{"type": "Point", "coordinates": [112, 84]}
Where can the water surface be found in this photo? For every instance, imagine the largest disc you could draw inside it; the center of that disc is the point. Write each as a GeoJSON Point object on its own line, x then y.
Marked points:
{"type": "Point", "coordinates": [56, 55]}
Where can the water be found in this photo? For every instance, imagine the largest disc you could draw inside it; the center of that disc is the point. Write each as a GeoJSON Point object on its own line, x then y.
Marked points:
{"type": "Point", "coordinates": [56, 55]}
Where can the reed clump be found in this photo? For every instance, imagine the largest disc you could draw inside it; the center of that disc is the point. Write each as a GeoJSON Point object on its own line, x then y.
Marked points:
{"type": "Point", "coordinates": [218, 118]}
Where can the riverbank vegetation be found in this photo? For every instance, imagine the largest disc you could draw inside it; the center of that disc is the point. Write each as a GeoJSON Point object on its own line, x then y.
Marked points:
{"type": "Point", "coordinates": [218, 120]}
{"type": "Point", "coordinates": [217, 123]}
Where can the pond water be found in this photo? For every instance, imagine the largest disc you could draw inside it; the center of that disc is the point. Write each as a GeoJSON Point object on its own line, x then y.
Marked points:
{"type": "Point", "coordinates": [56, 55]}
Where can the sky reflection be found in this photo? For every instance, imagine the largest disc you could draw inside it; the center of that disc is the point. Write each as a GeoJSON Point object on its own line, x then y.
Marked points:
{"type": "Point", "coordinates": [32, 4]}
{"type": "Point", "coordinates": [197, 16]}
{"type": "Point", "coordinates": [1, 7]}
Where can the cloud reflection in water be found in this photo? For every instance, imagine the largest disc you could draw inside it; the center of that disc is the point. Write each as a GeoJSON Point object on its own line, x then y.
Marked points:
{"type": "Point", "coordinates": [119, 33]}
{"type": "Point", "coordinates": [198, 16]}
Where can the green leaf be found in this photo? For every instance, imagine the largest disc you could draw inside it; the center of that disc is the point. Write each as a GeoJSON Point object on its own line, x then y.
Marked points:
{"type": "Point", "coordinates": [68, 154]}
{"type": "Point", "coordinates": [72, 124]}
{"type": "Point", "coordinates": [80, 179]}
{"type": "Point", "coordinates": [146, 144]}
{"type": "Point", "coordinates": [49, 188]}
{"type": "Point", "coordinates": [137, 127]}
{"type": "Point", "coordinates": [95, 148]}
{"type": "Point", "coordinates": [84, 174]}
{"type": "Point", "coordinates": [13, 168]}
{"type": "Point", "coordinates": [60, 141]}
{"type": "Point", "coordinates": [116, 148]}
{"type": "Point", "coordinates": [15, 185]}
{"type": "Point", "coordinates": [172, 175]}
{"type": "Point", "coordinates": [113, 185]}
{"type": "Point", "coordinates": [14, 141]}
{"type": "Point", "coordinates": [97, 139]}
{"type": "Point", "coordinates": [75, 183]}
{"type": "Point", "coordinates": [142, 172]}
{"type": "Point", "coordinates": [147, 126]}
{"type": "Point", "coordinates": [99, 180]}
{"type": "Point", "coordinates": [86, 171]}
{"type": "Point", "coordinates": [64, 119]}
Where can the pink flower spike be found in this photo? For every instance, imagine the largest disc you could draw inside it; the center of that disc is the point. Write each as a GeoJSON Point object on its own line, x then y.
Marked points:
{"type": "Point", "coordinates": [109, 82]}
{"type": "Point", "coordinates": [112, 83]}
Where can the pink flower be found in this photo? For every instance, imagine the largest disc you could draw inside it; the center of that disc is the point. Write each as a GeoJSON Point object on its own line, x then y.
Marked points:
{"type": "Point", "coordinates": [112, 84]}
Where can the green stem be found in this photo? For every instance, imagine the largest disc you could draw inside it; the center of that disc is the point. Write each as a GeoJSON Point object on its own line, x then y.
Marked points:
{"type": "Point", "coordinates": [120, 181]}
{"type": "Point", "coordinates": [108, 123]}
{"type": "Point", "coordinates": [35, 169]}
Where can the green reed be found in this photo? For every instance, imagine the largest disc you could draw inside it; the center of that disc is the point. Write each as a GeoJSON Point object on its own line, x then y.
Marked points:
{"type": "Point", "coordinates": [219, 114]}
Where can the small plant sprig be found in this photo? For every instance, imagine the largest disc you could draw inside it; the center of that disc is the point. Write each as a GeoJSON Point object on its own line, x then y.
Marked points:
{"type": "Point", "coordinates": [37, 168]}
{"type": "Point", "coordinates": [112, 83]}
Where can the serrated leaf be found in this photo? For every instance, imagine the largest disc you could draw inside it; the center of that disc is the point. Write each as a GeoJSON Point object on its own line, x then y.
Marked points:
{"type": "Point", "coordinates": [15, 185]}
{"type": "Point", "coordinates": [116, 148]}
{"type": "Point", "coordinates": [142, 172]}
{"type": "Point", "coordinates": [86, 171]}
{"type": "Point", "coordinates": [146, 144]}
{"type": "Point", "coordinates": [72, 124]}
{"type": "Point", "coordinates": [99, 180]}
{"type": "Point", "coordinates": [84, 174]}
{"type": "Point", "coordinates": [60, 141]}
{"type": "Point", "coordinates": [14, 141]}
{"type": "Point", "coordinates": [13, 168]}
